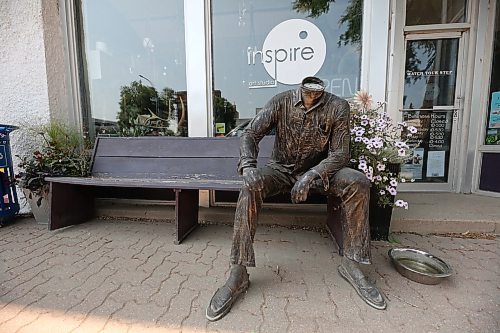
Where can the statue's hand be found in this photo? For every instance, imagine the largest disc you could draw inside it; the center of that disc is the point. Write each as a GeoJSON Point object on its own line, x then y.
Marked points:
{"type": "Point", "coordinates": [253, 179]}
{"type": "Point", "coordinates": [301, 188]}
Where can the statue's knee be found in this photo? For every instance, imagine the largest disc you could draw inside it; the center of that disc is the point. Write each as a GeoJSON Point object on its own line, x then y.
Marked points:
{"type": "Point", "coordinates": [359, 180]}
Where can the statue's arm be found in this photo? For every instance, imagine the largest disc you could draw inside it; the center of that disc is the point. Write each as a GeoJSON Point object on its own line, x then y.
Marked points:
{"type": "Point", "coordinates": [260, 125]}
{"type": "Point", "coordinates": [339, 146]}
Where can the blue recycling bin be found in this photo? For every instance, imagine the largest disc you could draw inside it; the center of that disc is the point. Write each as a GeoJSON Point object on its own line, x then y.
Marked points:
{"type": "Point", "coordinates": [9, 203]}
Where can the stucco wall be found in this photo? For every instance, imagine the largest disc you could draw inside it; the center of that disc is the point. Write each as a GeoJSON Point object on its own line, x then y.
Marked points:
{"type": "Point", "coordinates": [23, 81]}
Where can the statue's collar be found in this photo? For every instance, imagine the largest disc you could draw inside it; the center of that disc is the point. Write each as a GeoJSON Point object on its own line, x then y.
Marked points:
{"type": "Point", "coordinates": [297, 100]}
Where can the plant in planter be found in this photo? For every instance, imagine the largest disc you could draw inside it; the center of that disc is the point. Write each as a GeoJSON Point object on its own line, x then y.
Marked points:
{"type": "Point", "coordinates": [63, 152]}
{"type": "Point", "coordinates": [378, 151]}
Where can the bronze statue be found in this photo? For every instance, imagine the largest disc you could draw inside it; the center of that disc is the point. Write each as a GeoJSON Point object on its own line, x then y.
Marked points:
{"type": "Point", "coordinates": [311, 152]}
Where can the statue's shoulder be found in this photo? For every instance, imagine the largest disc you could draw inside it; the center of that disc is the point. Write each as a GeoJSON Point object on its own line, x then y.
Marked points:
{"type": "Point", "coordinates": [336, 100]}
{"type": "Point", "coordinates": [286, 94]}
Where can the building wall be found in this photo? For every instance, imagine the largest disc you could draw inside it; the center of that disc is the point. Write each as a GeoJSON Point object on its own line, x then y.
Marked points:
{"type": "Point", "coordinates": [23, 87]}
{"type": "Point", "coordinates": [35, 64]}
{"type": "Point", "coordinates": [26, 69]}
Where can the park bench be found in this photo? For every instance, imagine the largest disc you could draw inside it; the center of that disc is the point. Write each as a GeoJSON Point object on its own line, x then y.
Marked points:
{"type": "Point", "coordinates": [159, 168]}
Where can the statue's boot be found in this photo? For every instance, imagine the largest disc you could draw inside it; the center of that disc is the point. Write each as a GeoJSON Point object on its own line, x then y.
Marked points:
{"type": "Point", "coordinates": [224, 297]}
{"type": "Point", "coordinates": [364, 287]}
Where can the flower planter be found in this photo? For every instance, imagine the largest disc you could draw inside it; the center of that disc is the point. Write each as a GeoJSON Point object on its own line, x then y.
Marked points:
{"type": "Point", "coordinates": [380, 217]}
{"type": "Point", "coordinates": [40, 205]}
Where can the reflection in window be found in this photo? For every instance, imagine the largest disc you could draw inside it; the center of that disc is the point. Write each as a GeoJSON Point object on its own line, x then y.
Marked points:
{"type": "Point", "coordinates": [430, 73]}
{"type": "Point", "coordinates": [420, 12]}
{"type": "Point", "coordinates": [135, 56]}
{"type": "Point", "coordinates": [261, 48]}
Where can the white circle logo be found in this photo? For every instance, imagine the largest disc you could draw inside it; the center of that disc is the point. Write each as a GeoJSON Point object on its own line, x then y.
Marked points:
{"type": "Point", "coordinates": [293, 50]}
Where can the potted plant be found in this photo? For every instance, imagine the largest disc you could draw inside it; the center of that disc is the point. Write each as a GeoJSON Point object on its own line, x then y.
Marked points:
{"type": "Point", "coordinates": [63, 151]}
{"type": "Point", "coordinates": [378, 151]}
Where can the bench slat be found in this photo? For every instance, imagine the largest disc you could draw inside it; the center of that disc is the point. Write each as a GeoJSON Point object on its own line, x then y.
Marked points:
{"type": "Point", "coordinates": [175, 147]}
{"type": "Point", "coordinates": [166, 167]}
{"type": "Point", "coordinates": [186, 183]}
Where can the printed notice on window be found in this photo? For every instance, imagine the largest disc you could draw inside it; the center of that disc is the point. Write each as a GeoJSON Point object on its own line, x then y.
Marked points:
{"type": "Point", "coordinates": [494, 121]}
{"type": "Point", "coordinates": [435, 163]}
{"type": "Point", "coordinates": [412, 169]}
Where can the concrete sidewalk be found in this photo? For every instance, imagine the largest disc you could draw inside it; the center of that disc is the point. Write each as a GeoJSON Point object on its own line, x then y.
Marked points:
{"type": "Point", "coordinates": [128, 276]}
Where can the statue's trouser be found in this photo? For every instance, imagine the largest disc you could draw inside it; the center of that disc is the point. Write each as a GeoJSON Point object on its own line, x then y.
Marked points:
{"type": "Point", "coordinates": [350, 185]}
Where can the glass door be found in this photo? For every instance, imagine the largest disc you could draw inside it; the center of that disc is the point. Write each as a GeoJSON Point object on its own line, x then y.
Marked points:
{"type": "Point", "coordinates": [431, 102]}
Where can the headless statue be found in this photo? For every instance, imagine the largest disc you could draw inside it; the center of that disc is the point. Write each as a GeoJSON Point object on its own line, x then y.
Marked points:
{"type": "Point", "coordinates": [311, 152]}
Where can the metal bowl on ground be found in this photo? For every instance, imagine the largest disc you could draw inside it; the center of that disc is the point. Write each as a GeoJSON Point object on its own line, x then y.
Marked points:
{"type": "Point", "coordinates": [419, 266]}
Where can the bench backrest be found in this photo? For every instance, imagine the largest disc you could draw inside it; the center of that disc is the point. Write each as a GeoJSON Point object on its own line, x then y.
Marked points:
{"type": "Point", "coordinates": [171, 157]}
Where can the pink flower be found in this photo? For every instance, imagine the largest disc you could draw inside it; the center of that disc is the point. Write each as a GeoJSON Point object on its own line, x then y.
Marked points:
{"type": "Point", "coordinates": [363, 99]}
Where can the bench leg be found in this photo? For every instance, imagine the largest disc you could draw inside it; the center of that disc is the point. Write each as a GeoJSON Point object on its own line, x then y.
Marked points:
{"type": "Point", "coordinates": [334, 221]}
{"type": "Point", "coordinates": [186, 213]}
{"type": "Point", "coordinates": [69, 205]}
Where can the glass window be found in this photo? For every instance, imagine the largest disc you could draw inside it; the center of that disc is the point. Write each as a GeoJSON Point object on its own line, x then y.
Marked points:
{"type": "Point", "coordinates": [428, 102]}
{"type": "Point", "coordinates": [261, 48]}
{"type": "Point", "coordinates": [493, 126]}
{"type": "Point", "coordinates": [420, 12]}
{"type": "Point", "coordinates": [135, 57]}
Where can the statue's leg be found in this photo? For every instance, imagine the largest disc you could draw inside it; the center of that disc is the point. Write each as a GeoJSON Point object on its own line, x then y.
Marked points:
{"type": "Point", "coordinates": [353, 188]}
{"type": "Point", "coordinates": [247, 213]}
{"type": "Point", "coordinates": [242, 252]}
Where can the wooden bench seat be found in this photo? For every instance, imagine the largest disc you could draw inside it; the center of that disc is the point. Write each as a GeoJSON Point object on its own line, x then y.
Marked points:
{"type": "Point", "coordinates": [166, 166]}
{"type": "Point", "coordinates": [160, 168]}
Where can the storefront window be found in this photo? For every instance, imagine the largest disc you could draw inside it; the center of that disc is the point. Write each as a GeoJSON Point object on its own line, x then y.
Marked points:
{"type": "Point", "coordinates": [135, 61]}
{"type": "Point", "coordinates": [261, 48]}
{"type": "Point", "coordinates": [420, 12]}
{"type": "Point", "coordinates": [493, 126]}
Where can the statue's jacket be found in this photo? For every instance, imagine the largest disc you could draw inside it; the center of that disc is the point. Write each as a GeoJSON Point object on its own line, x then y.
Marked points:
{"type": "Point", "coordinates": [316, 139]}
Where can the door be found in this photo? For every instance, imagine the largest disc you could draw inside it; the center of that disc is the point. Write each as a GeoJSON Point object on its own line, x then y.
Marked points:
{"type": "Point", "coordinates": [431, 102]}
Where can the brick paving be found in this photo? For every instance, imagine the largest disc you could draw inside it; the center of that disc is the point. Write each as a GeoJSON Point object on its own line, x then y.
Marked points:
{"type": "Point", "coordinates": [128, 276]}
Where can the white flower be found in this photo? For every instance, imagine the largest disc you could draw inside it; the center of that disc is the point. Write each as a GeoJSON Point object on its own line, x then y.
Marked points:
{"type": "Point", "coordinates": [403, 180]}
{"type": "Point", "coordinates": [382, 192]}
{"type": "Point", "coordinates": [402, 152]}
{"type": "Point", "coordinates": [393, 182]}
{"type": "Point", "coordinates": [380, 166]}
{"type": "Point", "coordinates": [401, 203]}
{"type": "Point", "coordinates": [401, 144]}
{"type": "Point", "coordinates": [412, 129]}
{"type": "Point", "coordinates": [392, 191]}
